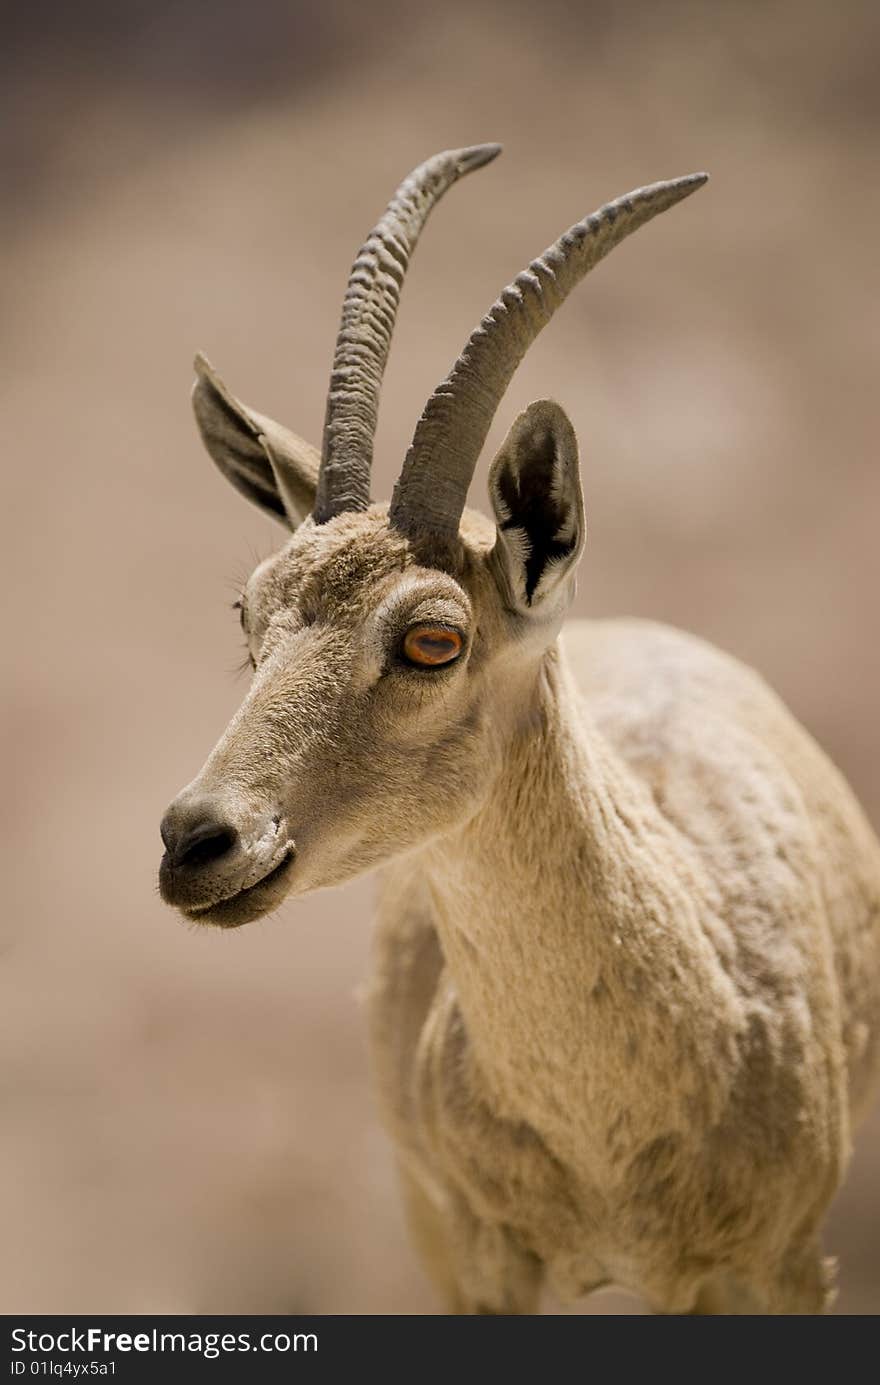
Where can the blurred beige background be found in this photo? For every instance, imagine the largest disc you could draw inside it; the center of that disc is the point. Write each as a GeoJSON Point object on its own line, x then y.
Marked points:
{"type": "Point", "coordinates": [187, 1118]}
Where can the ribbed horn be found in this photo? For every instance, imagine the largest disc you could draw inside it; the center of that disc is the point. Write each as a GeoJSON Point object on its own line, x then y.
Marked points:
{"type": "Point", "coordinates": [368, 314]}
{"type": "Point", "coordinates": [432, 490]}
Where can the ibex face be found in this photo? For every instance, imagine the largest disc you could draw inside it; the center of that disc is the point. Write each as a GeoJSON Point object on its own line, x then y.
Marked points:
{"type": "Point", "coordinates": [385, 676]}
{"type": "Point", "coordinates": [364, 730]}
{"type": "Point", "coordinates": [393, 646]}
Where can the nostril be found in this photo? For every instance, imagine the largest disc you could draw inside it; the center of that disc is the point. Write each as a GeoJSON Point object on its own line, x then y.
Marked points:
{"type": "Point", "coordinates": [204, 843]}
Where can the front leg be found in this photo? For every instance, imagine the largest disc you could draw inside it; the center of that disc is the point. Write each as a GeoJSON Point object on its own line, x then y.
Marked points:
{"type": "Point", "coordinates": [477, 1268]}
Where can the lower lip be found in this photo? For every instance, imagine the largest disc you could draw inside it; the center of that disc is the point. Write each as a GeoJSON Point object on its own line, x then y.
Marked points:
{"type": "Point", "coordinates": [213, 912]}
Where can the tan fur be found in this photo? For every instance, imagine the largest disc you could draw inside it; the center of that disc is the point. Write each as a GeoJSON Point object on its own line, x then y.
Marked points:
{"type": "Point", "coordinates": [625, 1007]}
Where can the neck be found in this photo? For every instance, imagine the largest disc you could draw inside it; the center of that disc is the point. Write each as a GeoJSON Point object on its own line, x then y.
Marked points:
{"type": "Point", "coordinates": [567, 912]}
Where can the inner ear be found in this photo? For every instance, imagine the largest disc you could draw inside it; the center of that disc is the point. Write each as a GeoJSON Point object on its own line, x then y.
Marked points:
{"type": "Point", "coordinates": [536, 494]}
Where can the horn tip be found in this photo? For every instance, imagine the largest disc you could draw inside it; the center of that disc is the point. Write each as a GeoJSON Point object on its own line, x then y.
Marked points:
{"type": "Point", "coordinates": [691, 181]}
{"type": "Point", "coordinates": [477, 156]}
{"type": "Point", "coordinates": [202, 366]}
{"type": "Point", "coordinates": [666, 194]}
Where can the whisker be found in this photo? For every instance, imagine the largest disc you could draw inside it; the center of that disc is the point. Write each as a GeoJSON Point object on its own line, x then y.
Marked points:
{"type": "Point", "coordinates": [245, 666]}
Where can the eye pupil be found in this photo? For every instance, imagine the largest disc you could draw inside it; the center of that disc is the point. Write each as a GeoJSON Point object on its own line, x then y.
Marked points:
{"type": "Point", "coordinates": [430, 646]}
{"type": "Point", "coordinates": [435, 646]}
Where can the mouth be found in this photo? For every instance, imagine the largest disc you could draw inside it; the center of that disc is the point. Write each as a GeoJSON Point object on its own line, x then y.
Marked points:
{"type": "Point", "coordinates": [249, 903]}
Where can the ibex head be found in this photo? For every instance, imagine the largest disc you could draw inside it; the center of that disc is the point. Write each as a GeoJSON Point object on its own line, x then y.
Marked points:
{"type": "Point", "coordinates": [393, 646]}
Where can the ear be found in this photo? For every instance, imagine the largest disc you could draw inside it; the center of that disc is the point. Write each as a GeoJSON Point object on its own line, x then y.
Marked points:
{"type": "Point", "coordinates": [535, 487]}
{"type": "Point", "coordinates": [270, 465]}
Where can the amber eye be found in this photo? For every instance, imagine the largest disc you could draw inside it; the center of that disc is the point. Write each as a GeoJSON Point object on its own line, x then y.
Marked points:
{"type": "Point", "coordinates": [431, 645]}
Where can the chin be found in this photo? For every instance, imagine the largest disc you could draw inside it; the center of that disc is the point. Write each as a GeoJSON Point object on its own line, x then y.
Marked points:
{"type": "Point", "coordinates": [249, 904]}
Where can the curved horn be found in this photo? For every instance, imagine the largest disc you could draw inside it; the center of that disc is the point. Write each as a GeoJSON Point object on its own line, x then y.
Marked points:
{"type": "Point", "coordinates": [368, 314]}
{"type": "Point", "coordinates": [432, 490]}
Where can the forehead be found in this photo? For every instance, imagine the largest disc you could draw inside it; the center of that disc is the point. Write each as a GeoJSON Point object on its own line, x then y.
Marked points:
{"type": "Point", "coordinates": [343, 565]}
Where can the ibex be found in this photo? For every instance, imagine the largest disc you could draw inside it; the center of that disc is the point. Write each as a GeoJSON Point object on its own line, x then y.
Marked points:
{"type": "Point", "coordinates": [625, 1009]}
